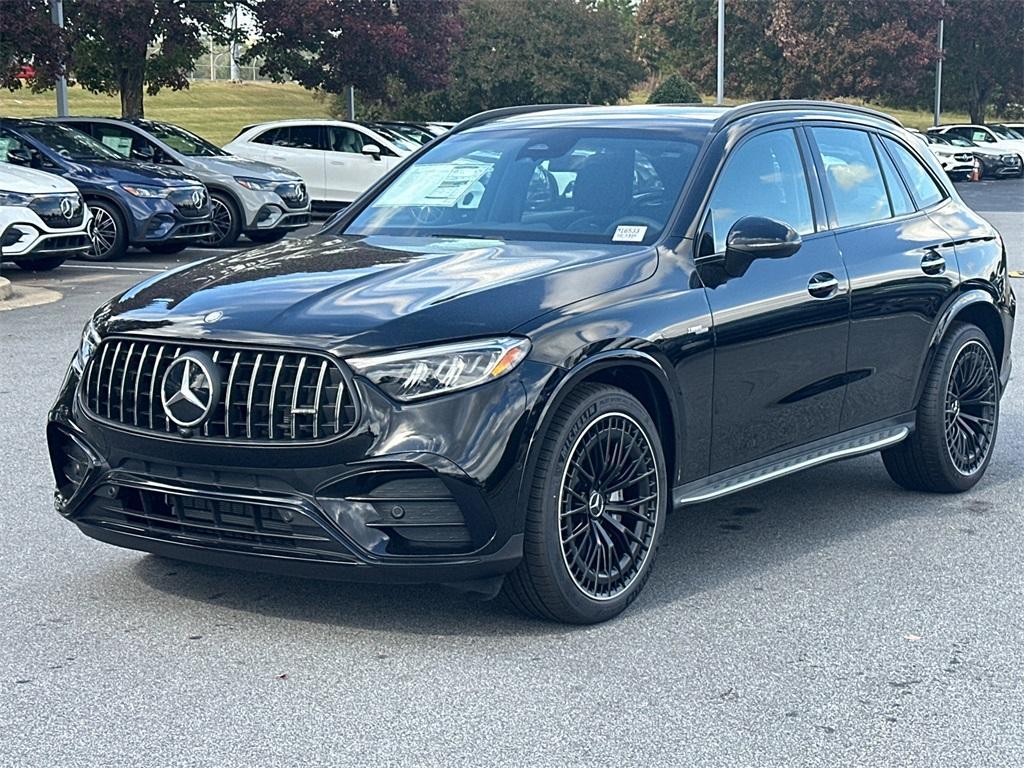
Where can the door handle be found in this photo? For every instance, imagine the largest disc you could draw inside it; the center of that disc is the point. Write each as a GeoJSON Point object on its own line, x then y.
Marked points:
{"type": "Point", "coordinates": [933, 263]}
{"type": "Point", "coordinates": [823, 285]}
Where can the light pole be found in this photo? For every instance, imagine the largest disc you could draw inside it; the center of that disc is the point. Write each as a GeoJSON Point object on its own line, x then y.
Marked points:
{"type": "Point", "coordinates": [938, 67]}
{"type": "Point", "coordinates": [720, 97]}
{"type": "Point", "coordinates": [57, 16]}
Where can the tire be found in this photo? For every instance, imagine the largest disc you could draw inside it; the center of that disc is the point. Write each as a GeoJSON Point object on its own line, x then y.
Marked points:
{"type": "Point", "coordinates": [40, 265]}
{"type": "Point", "coordinates": [267, 235]}
{"type": "Point", "coordinates": [175, 246]}
{"type": "Point", "coordinates": [227, 222]}
{"type": "Point", "coordinates": [957, 418]}
{"type": "Point", "coordinates": [109, 233]}
{"type": "Point", "coordinates": [560, 577]}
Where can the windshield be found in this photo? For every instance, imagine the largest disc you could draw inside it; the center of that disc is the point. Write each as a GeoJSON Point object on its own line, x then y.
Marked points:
{"type": "Point", "coordinates": [1005, 133]}
{"type": "Point", "coordinates": [183, 141]}
{"type": "Point", "coordinates": [580, 184]}
{"type": "Point", "coordinates": [69, 143]}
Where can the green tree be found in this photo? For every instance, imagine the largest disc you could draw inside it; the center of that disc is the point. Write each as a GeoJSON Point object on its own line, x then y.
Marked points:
{"type": "Point", "coordinates": [984, 55]}
{"type": "Point", "coordinates": [674, 89]}
{"type": "Point", "coordinates": [29, 38]}
{"type": "Point", "coordinates": [539, 52]}
{"type": "Point", "coordinates": [129, 46]}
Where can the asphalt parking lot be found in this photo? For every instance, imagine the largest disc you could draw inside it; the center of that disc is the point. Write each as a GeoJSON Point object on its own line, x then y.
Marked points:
{"type": "Point", "coordinates": [826, 619]}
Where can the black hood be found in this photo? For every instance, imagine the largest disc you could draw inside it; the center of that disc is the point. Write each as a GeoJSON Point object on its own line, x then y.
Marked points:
{"type": "Point", "coordinates": [352, 294]}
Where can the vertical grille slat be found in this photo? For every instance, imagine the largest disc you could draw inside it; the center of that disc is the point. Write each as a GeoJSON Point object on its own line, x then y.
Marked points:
{"type": "Point", "coordinates": [266, 395]}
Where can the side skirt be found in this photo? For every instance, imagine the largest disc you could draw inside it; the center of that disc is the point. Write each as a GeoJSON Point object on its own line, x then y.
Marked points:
{"type": "Point", "coordinates": [854, 442]}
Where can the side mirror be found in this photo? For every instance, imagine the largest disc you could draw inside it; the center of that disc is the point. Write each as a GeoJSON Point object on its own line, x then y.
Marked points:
{"type": "Point", "coordinates": [19, 156]}
{"type": "Point", "coordinates": [372, 150]}
{"type": "Point", "coordinates": [758, 237]}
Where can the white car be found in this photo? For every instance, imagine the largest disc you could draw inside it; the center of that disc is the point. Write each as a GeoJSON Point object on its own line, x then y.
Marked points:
{"type": "Point", "coordinates": [992, 136]}
{"type": "Point", "coordinates": [337, 160]}
{"type": "Point", "coordinates": [957, 162]}
{"type": "Point", "coordinates": [43, 220]}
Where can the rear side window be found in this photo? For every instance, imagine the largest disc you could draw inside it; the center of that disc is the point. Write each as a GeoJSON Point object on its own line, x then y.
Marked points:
{"type": "Point", "coordinates": [926, 190]}
{"type": "Point", "coordinates": [295, 136]}
{"type": "Point", "coordinates": [763, 177]}
{"type": "Point", "coordinates": [853, 176]}
{"type": "Point", "coordinates": [898, 195]}
{"type": "Point", "coordinates": [118, 139]}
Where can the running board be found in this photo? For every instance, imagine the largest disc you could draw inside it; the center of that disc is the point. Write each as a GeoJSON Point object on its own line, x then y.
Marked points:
{"type": "Point", "coordinates": [694, 493]}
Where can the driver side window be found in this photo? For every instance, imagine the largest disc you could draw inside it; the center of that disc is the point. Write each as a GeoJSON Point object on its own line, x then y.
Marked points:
{"type": "Point", "coordinates": [763, 177]}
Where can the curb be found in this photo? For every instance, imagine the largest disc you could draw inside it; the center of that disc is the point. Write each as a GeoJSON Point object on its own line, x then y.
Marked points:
{"type": "Point", "coordinates": [6, 291]}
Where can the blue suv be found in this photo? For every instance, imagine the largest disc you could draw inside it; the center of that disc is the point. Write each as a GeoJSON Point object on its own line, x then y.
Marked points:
{"type": "Point", "coordinates": [132, 203]}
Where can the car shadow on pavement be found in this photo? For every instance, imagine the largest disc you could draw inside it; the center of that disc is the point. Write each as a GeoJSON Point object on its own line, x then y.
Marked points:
{"type": "Point", "coordinates": [735, 543]}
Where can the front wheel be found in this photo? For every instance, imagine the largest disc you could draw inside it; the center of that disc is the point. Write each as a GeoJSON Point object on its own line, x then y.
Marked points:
{"type": "Point", "coordinates": [109, 233]}
{"type": "Point", "coordinates": [226, 222]}
{"type": "Point", "coordinates": [595, 512]}
{"type": "Point", "coordinates": [957, 418]}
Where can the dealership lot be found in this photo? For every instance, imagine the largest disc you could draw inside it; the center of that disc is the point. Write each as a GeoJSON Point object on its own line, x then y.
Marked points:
{"type": "Point", "coordinates": [828, 618]}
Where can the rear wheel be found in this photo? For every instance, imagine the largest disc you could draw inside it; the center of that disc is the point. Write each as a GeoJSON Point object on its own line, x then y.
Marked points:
{"type": "Point", "coordinates": [266, 235]}
{"type": "Point", "coordinates": [226, 221]}
{"type": "Point", "coordinates": [109, 233]}
{"type": "Point", "coordinates": [957, 418]}
{"type": "Point", "coordinates": [596, 510]}
{"type": "Point", "coordinates": [40, 265]}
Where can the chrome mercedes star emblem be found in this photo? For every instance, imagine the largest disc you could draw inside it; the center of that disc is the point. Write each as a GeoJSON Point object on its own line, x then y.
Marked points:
{"type": "Point", "coordinates": [213, 317]}
{"type": "Point", "coordinates": [197, 198]}
{"type": "Point", "coordinates": [67, 207]}
{"type": "Point", "coordinates": [190, 389]}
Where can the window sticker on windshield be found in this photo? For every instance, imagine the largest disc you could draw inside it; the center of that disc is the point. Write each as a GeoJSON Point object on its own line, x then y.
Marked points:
{"type": "Point", "coordinates": [629, 233]}
{"type": "Point", "coordinates": [119, 144]}
{"type": "Point", "coordinates": [438, 184]}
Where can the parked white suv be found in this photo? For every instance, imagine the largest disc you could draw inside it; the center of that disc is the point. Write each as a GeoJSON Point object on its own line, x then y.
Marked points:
{"type": "Point", "coordinates": [957, 162]}
{"type": "Point", "coordinates": [994, 136]}
{"type": "Point", "coordinates": [337, 160]}
{"type": "Point", "coordinates": [43, 220]}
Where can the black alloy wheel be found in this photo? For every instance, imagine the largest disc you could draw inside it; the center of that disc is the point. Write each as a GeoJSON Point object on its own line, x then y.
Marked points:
{"type": "Point", "coordinates": [608, 505]}
{"type": "Point", "coordinates": [226, 222]}
{"type": "Point", "coordinates": [957, 418]}
{"type": "Point", "coordinates": [595, 511]}
{"type": "Point", "coordinates": [971, 403]}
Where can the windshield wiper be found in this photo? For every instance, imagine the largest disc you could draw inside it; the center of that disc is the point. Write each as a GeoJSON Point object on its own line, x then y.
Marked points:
{"type": "Point", "coordinates": [463, 235]}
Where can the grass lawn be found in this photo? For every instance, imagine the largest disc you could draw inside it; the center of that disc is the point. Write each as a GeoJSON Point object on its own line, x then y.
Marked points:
{"type": "Point", "coordinates": [215, 110]}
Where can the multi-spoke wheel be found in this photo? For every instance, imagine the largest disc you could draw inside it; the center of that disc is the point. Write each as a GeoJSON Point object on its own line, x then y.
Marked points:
{"type": "Point", "coordinates": [226, 221]}
{"type": "Point", "coordinates": [109, 233]}
{"type": "Point", "coordinates": [608, 505]}
{"type": "Point", "coordinates": [957, 418]}
{"type": "Point", "coordinates": [596, 509]}
{"type": "Point", "coordinates": [971, 401]}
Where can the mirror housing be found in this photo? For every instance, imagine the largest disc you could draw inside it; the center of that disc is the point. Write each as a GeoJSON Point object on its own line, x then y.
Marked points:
{"type": "Point", "coordinates": [758, 237]}
{"type": "Point", "coordinates": [372, 150]}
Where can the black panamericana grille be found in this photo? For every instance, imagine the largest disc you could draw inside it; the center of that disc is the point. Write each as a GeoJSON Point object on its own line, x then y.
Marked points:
{"type": "Point", "coordinates": [59, 211]}
{"type": "Point", "coordinates": [190, 201]}
{"type": "Point", "coordinates": [963, 157]}
{"type": "Point", "coordinates": [252, 528]}
{"type": "Point", "coordinates": [266, 395]}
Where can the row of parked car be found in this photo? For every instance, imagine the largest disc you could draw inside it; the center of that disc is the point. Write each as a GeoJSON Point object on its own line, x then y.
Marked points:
{"type": "Point", "coordinates": [91, 187]}
{"type": "Point", "coordinates": [983, 151]}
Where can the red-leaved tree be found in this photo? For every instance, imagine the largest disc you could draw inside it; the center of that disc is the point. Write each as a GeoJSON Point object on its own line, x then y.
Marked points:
{"type": "Point", "coordinates": [29, 45]}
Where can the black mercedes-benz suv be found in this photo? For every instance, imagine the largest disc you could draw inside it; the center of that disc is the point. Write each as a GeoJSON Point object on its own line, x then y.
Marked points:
{"type": "Point", "coordinates": [506, 362]}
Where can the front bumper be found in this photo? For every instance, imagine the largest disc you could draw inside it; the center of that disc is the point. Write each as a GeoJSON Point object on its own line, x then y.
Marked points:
{"type": "Point", "coordinates": [158, 220]}
{"type": "Point", "coordinates": [32, 238]}
{"type": "Point", "coordinates": [423, 492]}
{"type": "Point", "coordinates": [265, 210]}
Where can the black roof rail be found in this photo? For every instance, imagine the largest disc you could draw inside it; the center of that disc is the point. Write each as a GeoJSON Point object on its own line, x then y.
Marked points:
{"type": "Point", "coordinates": [480, 118]}
{"type": "Point", "coordinates": [760, 107]}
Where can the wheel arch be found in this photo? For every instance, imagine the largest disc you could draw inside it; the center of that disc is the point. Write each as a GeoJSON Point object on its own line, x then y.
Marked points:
{"type": "Point", "coordinates": [92, 195]}
{"type": "Point", "coordinates": [634, 371]}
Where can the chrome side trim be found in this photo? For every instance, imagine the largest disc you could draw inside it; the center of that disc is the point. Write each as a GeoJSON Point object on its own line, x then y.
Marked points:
{"type": "Point", "coordinates": [772, 472]}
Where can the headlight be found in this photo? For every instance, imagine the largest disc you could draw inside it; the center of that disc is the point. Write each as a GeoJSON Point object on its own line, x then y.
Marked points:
{"type": "Point", "coordinates": [140, 190]}
{"type": "Point", "coordinates": [87, 346]}
{"type": "Point", "coordinates": [419, 373]}
{"type": "Point", "coordinates": [14, 198]}
{"type": "Point", "coordinates": [256, 184]}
